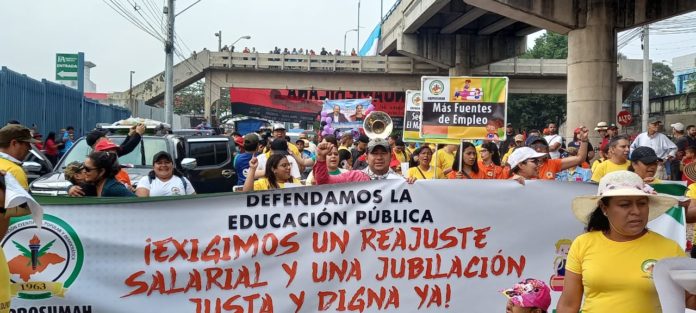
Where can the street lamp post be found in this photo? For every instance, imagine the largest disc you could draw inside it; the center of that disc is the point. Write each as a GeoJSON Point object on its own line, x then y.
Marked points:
{"type": "Point", "coordinates": [345, 36]}
{"type": "Point", "coordinates": [219, 35]}
{"type": "Point", "coordinates": [130, 95]}
{"type": "Point", "coordinates": [247, 37]}
{"type": "Point", "coordinates": [357, 49]}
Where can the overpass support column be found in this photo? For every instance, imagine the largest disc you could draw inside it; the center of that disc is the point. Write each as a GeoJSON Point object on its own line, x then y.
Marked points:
{"type": "Point", "coordinates": [462, 62]}
{"type": "Point", "coordinates": [592, 68]}
{"type": "Point", "coordinates": [211, 96]}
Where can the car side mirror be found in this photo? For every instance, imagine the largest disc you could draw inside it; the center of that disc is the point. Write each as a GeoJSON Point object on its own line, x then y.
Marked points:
{"type": "Point", "coordinates": [189, 163]}
{"type": "Point", "coordinates": [31, 167]}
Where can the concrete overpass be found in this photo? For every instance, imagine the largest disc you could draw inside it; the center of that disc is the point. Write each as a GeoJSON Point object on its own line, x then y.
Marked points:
{"type": "Point", "coordinates": [378, 73]}
{"type": "Point", "coordinates": [462, 35]}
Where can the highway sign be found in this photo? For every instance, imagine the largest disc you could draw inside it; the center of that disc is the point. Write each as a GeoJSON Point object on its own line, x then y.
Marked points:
{"type": "Point", "coordinates": [66, 66]}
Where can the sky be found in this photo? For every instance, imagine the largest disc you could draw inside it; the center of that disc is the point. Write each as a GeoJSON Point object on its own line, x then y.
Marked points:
{"type": "Point", "coordinates": [34, 31]}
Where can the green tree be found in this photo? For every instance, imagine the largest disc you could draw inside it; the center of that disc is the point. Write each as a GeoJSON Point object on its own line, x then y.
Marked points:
{"type": "Point", "coordinates": [548, 46]}
{"type": "Point", "coordinates": [536, 111]}
{"type": "Point", "coordinates": [661, 84]}
{"type": "Point", "coordinates": [190, 99]}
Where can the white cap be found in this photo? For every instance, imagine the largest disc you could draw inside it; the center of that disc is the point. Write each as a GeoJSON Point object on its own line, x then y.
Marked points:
{"type": "Point", "coordinates": [678, 127]}
{"type": "Point", "coordinates": [602, 126]}
{"type": "Point", "coordinates": [522, 154]}
{"type": "Point", "coordinates": [277, 126]}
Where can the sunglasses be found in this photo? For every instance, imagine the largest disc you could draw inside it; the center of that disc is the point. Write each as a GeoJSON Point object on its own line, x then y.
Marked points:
{"type": "Point", "coordinates": [535, 161]}
{"type": "Point", "coordinates": [87, 169]}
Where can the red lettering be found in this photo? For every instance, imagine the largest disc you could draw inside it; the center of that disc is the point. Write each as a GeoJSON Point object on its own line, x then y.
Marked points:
{"type": "Point", "coordinates": [297, 300]}
{"type": "Point", "coordinates": [480, 236]}
{"type": "Point", "coordinates": [287, 242]}
{"type": "Point", "coordinates": [132, 281]}
{"type": "Point", "coordinates": [251, 243]}
{"type": "Point", "coordinates": [211, 252]}
{"type": "Point", "coordinates": [291, 270]}
{"type": "Point", "coordinates": [367, 235]}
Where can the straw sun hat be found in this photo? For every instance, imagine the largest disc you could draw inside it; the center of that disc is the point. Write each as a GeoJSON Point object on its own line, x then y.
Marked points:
{"type": "Point", "coordinates": [690, 171]}
{"type": "Point", "coordinates": [622, 183]}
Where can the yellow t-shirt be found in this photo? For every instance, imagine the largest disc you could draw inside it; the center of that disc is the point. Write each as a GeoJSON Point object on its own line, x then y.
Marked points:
{"type": "Point", "coordinates": [607, 167]}
{"type": "Point", "coordinates": [291, 146]}
{"type": "Point", "coordinates": [617, 276]}
{"type": "Point", "coordinates": [444, 160]}
{"type": "Point", "coordinates": [16, 171]}
{"type": "Point", "coordinates": [5, 288]}
{"type": "Point", "coordinates": [263, 184]}
{"type": "Point", "coordinates": [506, 156]}
{"type": "Point", "coordinates": [432, 173]}
{"type": "Point", "coordinates": [691, 191]}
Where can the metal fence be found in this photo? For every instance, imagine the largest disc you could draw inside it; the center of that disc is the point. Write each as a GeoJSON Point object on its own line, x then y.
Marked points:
{"type": "Point", "coordinates": [51, 106]}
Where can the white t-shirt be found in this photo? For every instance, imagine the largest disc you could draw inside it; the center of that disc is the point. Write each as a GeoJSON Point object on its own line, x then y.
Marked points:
{"type": "Point", "coordinates": [551, 139]}
{"type": "Point", "coordinates": [294, 171]}
{"type": "Point", "coordinates": [173, 187]}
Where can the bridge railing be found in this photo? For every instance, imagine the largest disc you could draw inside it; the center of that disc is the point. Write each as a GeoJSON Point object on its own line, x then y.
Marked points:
{"type": "Point", "coordinates": [321, 63]}
{"type": "Point", "coordinates": [517, 66]}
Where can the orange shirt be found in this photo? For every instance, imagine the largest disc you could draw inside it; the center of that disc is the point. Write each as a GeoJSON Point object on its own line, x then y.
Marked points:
{"type": "Point", "coordinates": [480, 175]}
{"type": "Point", "coordinates": [123, 177]}
{"type": "Point", "coordinates": [491, 171]}
{"type": "Point", "coordinates": [548, 170]}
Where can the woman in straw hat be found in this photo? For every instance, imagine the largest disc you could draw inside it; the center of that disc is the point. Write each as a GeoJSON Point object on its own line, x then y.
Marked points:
{"type": "Point", "coordinates": [611, 264]}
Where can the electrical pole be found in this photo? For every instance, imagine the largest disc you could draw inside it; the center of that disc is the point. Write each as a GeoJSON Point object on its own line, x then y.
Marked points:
{"type": "Point", "coordinates": [169, 66]}
{"type": "Point", "coordinates": [130, 96]}
{"type": "Point", "coordinates": [647, 72]}
{"type": "Point", "coordinates": [357, 50]}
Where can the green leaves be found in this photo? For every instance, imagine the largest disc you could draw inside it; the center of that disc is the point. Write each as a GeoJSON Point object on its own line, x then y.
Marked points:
{"type": "Point", "coordinates": [548, 46]}
{"type": "Point", "coordinates": [25, 251]}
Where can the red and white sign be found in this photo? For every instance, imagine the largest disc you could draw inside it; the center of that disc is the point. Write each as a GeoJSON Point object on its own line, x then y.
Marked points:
{"type": "Point", "coordinates": [624, 118]}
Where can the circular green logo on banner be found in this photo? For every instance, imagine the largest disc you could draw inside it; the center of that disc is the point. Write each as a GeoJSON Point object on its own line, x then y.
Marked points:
{"type": "Point", "coordinates": [436, 87]}
{"type": "Point", "coordinates": [43, 263]}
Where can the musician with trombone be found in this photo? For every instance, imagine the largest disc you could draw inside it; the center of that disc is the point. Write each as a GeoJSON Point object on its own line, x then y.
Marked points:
{"type": "Point", "coordinates": [377, 126]}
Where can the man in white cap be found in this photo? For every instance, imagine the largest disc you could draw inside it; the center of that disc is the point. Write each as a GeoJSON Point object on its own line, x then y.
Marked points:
{"type": "Point", "coordinates": [682, 142]}
{"type": "Point", "coordinates": [378, 160]}
{"type": "Point", "coordinates": [524, 164]}
{"type": "Point", "coordinates": [280, 133]}
{"type": "Point", "coordinates": [601, 129]}
{"type": "Point", "coordinates": [665, 149]}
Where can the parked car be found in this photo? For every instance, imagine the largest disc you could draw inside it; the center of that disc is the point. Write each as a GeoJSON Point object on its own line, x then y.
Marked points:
{"type": "Point", "coordinates": [36, 164]}
{"type": "Point", "coordinates": [206, 161]}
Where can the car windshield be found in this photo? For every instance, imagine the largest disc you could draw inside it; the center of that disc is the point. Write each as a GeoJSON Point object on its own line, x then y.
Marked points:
{"type": "Point", "coordinates": [151, 145]}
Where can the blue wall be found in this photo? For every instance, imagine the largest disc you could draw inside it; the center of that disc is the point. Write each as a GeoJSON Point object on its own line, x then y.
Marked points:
{"type": "Point", "coordinates": [51, 106]}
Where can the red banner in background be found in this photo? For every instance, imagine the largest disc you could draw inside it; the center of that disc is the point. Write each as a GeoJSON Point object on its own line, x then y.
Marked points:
{"type": "Point", "coordinates": [310, 101]}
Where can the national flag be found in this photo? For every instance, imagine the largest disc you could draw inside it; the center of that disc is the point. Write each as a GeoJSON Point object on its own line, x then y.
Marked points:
{"type": "Point", "coordinates": [372, 42]}
{"type": "Point", "coordinates": [672, 224]}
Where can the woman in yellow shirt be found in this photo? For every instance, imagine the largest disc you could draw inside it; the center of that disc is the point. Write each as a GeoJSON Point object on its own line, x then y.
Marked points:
{"type": "Point", "coordinates": [617, 161]}
{"type": "Point", "coordinates": [423, 169]}
{"type": "Point", "coordinates": [611, 264]}
{"type": "Point", "coordinates": [277, 175]}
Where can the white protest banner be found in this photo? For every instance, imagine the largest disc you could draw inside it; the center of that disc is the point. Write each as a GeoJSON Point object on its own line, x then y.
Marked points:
{"type": "Point", "coordinates": [436, 245]}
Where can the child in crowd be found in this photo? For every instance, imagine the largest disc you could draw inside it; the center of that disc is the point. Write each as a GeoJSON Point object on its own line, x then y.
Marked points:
{"type": "Point", "coordinates": [689, 155]}
{"type": "Point", "coordinates": [528, 296]}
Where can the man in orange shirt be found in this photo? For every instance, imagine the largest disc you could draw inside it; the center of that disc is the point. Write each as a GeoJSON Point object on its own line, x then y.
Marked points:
{"type": "Point", "coordinates": [549, 167]}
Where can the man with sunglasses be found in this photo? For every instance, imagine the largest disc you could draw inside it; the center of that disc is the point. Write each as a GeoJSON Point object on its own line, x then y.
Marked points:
{"type": "Point", "coordinates": [549, 167]}
{"type": "Point", "coordinates": [15, 143]}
